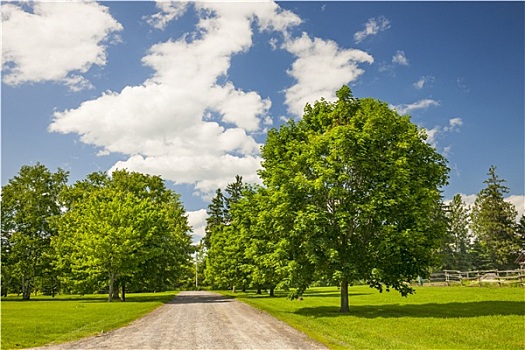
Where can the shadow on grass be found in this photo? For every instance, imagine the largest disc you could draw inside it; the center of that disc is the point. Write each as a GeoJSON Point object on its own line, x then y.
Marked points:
{"type": "Point", "coordinates": [332, 295]}
{"type": "Point", "coordinates": [446, 310]}
{"type": "Point", "coordinates": [284, 295]}
{"type": "Point", "coordinates": [61, 298]}
{"type": "Point", "coordinates": [130, 298]}
{"type": "Point", "coordinates": [200, 299]}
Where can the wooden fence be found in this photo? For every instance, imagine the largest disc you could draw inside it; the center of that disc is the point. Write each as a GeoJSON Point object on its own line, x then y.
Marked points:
{"type": "Point", "coordinates": [478, 277]}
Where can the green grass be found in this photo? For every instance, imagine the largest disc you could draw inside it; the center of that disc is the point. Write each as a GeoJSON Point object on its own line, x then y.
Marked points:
{"type": "Point", "coordinates": [433, 318]}
{"type": "Point", "coordinates": [43, 320]}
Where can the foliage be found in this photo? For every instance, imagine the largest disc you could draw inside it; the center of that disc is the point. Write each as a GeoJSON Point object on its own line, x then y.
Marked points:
{"type": "Point", "coordinates": [69, 317]}
{"type": "Point", "coordinates": [125, 230]}
{"type": "Point", "coordinates": [226, 265]}
{"type": "Point", "coordinates": [215, 219]}
{"type": "Point", "coordinates": [520, 230]}
{"type": "Point", "coordinates": [267, 247]}
{"type": "Point", "coordinates": [457, 246]}
{"type": "Point", "coordinates": [29, 200]}
{"type": "Point", "coordinates": [361, 194]}
{"type": "Point", "coordinates": [434, 318]}
{"type": "Point", "coordinates": [493, 223]}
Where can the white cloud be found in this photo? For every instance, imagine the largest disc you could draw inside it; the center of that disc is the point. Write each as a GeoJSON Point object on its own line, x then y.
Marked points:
{"type": "Point", "coordinates": [197, 220]}
{"type": "Point", "coordinates": [272, 18]}
{"type": "Point", "coordinates": [400, 58]}
{"type": "Point", "coordinates": [432, 135]}
{"type": "Point", "coordinates": [468, 199]}
{"type": "Point", "coordinates": [421, 104]}
{"type": "Point", "coordinates": [517, 200]}
{"type": "Point", "coordinates": [453, 124]}
{"type": "Point", "coordinates": [273, 43]}
{"type": "Point", "coordinates": [519, 204]}
{"type": "Point", "coordinates": [438, 131]}
{"type": "Point", "coordinates": [164, 126]}
{"type": "Point", "coordinates": [169, 10]}
{"type": "Point", "coordinates": [423, 81]}
{"type": "Point", "coordinates": [320, 69]}
{"type": "Point", "coordinates": [447, 150]}
{"type": "Point", "coordinates": [55, 42]}
{"type": "Point", "coordinates": [372, 27]}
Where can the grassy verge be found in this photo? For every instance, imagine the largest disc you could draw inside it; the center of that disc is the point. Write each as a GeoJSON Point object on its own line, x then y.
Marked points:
{"type": "Point", "coordinates": [64, 318]}
{"type": "Point", "coordinates": [433, 318]}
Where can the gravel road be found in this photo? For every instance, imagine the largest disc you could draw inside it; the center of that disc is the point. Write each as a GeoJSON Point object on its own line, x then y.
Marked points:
{"type": "Point", "coordinates": [200, 320]}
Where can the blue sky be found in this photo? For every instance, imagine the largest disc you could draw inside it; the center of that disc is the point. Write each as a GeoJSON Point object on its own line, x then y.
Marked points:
{"type": "Point", "coordinates": [189, 91]}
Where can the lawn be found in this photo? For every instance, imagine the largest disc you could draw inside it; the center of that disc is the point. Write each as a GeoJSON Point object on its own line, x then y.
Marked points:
{"type": "Point", "coordinates": [433, 318]}
{"type": "Point", "coordinates": [42, 320]}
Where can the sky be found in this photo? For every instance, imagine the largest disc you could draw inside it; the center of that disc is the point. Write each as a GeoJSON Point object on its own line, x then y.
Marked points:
{"type": "Point", "coordinates": [188, 91]}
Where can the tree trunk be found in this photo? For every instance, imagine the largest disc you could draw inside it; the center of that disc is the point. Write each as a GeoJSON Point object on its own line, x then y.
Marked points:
{"type": "Point", "coordinates": [26, 288]}
{"type": "Point", "coordinates": [111, 286]}
{"type": "Point", "coordinates": [344, 296]}
{"type": "Point", "coordinates": [259, 291]}
{"type": "Point", "coordinates": [123, 291]}
{"type": "Point", "coordinates": [116, 290]}
{"type": "Point", "coordinates": [272, 290]}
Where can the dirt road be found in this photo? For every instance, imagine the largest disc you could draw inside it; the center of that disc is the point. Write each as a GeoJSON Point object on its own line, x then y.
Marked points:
{"type": "Point", "coordinates": [200, 320]}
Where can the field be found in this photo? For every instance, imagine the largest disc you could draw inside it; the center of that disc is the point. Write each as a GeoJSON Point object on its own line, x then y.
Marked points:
{"type": "Point", "coordinates": [433, 318]}
{"type": "Point", "coordinates": [64, 318]}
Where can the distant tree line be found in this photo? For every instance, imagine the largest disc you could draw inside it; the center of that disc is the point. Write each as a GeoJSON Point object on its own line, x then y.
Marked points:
{"type": "Point", "coordinates": [486, 235]}
{"type": "Point", "coordinates": [351, 193]}
{"type": "Point", "coordinates": [118, 233]}
{"type": "Point", "coordinates": [247, 244]}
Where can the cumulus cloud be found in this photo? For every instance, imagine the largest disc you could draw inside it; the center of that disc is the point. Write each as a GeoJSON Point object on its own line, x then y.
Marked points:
{"type": "Point", "coordinates": [517, 200]}
{"type": "Point", "coordinates": [453, 124]}
{"type": "Point", "coordinates": [435, 133]}
{"type": "Point", "coordinates": [438, 131]}
{"type": "Point", "coordinates": [55, 41]}
{"type": "Point", "coordinates": [421, 104]}
{"type": "Point", "coordinates": [372, 27]}
{"type": "Point", "coordinates": [400, 58]}
{"type": "Point", "coordinates": [519, 204]}
{"type": "Point", "coordinates": [169, 10]}
{"type": "Point", "coordinates": [197, 220]}
{"type": "Point", "coordinates": [164, 126]}
{"type": "Point", "coordinates": [321, 67]}
{"type": "Point", "coordinates": [423, 81]}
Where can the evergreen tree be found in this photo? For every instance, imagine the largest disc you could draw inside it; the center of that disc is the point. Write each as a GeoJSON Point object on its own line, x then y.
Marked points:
{"type": "Point", "coordinates": [215, 220]}
{"type": "Point", "coordinates": [234, 191]}
{"type": "Point", "coordinates": [226, 264]}
{"type": "Point", "coordinates": [493, 223]}
{"type": "Point", "coordinates": [520, 230]}
{"type": "Point", "coordinates": [458, 242]}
